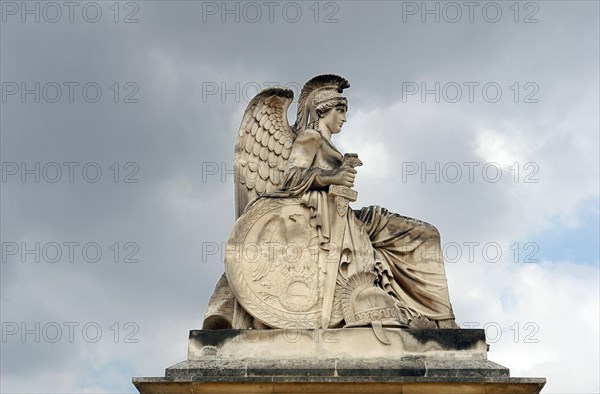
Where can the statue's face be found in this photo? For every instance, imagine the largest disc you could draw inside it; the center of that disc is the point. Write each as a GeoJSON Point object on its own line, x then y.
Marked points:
{"type": "Point", "coordinates": [335, 118]}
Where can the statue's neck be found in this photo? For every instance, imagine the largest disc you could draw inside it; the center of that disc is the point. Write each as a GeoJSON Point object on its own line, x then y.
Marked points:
{"type": "Point", "coordinates": [324, 130]}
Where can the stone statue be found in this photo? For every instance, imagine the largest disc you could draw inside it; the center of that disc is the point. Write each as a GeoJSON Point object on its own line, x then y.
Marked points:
{"type": "Point", "coordinates": [299, 256]}
{"type": "Point", "coordinates": [308, 280]}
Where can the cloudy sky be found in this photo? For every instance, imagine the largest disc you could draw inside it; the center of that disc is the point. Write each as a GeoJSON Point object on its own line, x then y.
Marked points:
{"type": "Point", "coordinates": [118, 123]}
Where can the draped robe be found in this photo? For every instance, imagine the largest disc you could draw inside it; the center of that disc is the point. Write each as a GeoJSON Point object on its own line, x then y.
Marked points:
{"type": "Point", "coordinates": [406, 253]}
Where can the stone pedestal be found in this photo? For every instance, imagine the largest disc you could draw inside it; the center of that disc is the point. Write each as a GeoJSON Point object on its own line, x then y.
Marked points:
{"type": "Point", "coordinates": [337, 361]}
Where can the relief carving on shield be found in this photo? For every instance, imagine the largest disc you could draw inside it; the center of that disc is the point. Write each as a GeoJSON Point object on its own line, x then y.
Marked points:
{"type": "Point", "coordinates": [272, 262]}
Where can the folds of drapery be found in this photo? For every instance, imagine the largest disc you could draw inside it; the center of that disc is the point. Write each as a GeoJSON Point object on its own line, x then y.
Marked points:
{"type": "Point", "coordinates": [409, 256]}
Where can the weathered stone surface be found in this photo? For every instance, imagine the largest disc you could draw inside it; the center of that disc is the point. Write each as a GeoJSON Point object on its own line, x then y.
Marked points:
{"type": "Point", "coordinates": [465, 368]}
{"type": "Point", "coordinates": [291, 367]}
{"type": "Point", "coordinates": [336, 343]}
{"type": "Point", "coordinates": [303, 361]}
{"type": "Point", "coordinates": [210, 369]}
{"type": "Point", "coordinates": [381, 367]}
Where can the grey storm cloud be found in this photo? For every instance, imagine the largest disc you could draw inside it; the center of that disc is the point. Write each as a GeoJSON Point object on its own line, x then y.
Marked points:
{"type": "Point", "coordinates": [132, 141]}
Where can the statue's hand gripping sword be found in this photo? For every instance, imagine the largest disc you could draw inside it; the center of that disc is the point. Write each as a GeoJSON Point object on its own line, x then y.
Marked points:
{"type": "Point", "coordinates": [343, 196]}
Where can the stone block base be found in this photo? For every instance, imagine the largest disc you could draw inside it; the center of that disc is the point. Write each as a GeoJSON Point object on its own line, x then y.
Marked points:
{"type": "Point", "coordinates": [344, 343]}
{"type": "Point", "coordinates": [522, 386]}
{"type": "Point", "coordinates": [337, 361]}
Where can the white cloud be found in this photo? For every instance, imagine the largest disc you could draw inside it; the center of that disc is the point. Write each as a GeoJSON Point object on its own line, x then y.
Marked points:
{"type": "Point", "coordinates": [543, 180]}
{"type": "Point", "coordinates": [541, 319]}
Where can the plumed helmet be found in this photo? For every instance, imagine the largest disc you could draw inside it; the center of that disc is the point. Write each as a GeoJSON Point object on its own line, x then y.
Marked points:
{"type": "Point", "coordinates": [363, 302]}
{"type": "Point", "coordinates": [317, 95]}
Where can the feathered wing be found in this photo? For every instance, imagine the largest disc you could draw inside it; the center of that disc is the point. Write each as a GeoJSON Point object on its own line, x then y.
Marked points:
{"type": "Point", "coordinates": [263, 146]}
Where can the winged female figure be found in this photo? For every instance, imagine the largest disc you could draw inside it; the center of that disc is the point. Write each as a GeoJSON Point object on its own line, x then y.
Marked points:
{"type": "Point", "coordinates": [298, 255]}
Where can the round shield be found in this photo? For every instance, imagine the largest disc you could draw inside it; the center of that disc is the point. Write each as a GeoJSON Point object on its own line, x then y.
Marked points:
{"type": "Point", "coordinates": [272, 264]}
